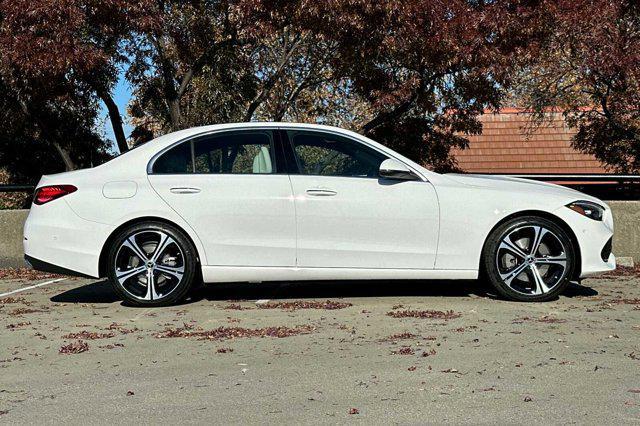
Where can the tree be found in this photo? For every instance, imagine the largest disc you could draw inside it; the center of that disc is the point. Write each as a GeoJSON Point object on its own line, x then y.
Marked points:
{"type": "Point", "coordinates": [182, 41]}
{"type": "Point", "coordinates": [425, 68]}
{"type": "Point", "coordinates": [66, 48]}
{"type": "Point", "coordinates": [588, 68]}
{"type": "Point", "coordinates": [414, 74]}
{"type": "Point", "coordinates": [36, 132]}
{"type": "Point", "coordinates": [208, 62]}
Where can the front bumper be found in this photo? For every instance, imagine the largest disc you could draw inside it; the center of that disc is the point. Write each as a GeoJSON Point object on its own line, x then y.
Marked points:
{"type": "Point", "coordinates": [593, 238]}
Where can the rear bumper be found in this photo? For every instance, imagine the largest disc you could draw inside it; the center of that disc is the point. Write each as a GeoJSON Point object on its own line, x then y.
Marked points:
{"type": "Point", "coordinates": [55, 237]}
{"type": "Point", "coordinates": [40, 265]}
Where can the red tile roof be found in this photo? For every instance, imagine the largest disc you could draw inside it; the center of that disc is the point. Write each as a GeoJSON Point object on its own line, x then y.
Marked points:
{"type": "Point", "coordinates": [505, 147]}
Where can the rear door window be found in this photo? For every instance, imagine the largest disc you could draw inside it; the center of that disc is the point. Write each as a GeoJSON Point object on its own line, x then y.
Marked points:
{"type": "Point", "coordinates": [235, 153]}
{"type": "Point", "coordinates": [232, 152]}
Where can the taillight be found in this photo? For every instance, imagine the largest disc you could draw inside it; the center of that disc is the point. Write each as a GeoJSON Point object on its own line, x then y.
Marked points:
{"type": "Point", "coordinates": [45, 194]}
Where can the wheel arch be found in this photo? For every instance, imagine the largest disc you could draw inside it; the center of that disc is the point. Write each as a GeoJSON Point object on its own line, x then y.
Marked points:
{"type": "Point", "coordinates": [545, 215]}
{"type": "Point", "coordinates": [104, 252]}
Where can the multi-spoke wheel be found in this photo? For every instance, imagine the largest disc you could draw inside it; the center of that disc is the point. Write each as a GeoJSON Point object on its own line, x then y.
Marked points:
{"type": "Point", "coordinates": [529, 259]}
{"type": "Point", "coordinates": [152, 264]}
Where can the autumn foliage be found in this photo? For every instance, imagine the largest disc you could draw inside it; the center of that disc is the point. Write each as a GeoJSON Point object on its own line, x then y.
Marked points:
{"type": "Point", "coordinates": [414, 74]}
{"type": "Point", "coordinates": [589, 69]}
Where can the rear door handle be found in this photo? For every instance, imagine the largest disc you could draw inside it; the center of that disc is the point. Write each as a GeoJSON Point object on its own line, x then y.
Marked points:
{"type": "Point", "coordinates": [321, 192]}
{"type": "Point", "coordinates": [185, 190]}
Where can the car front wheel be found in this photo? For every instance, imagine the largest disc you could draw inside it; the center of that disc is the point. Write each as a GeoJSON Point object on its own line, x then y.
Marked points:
{"type": "Point", "coordinates": [152, 264]}
{"type": "Point", "coordinates": [529, 259]}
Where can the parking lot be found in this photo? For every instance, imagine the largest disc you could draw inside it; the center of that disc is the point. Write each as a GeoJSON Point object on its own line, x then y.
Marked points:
{"type": "Point", "coordinates": [320, 352]}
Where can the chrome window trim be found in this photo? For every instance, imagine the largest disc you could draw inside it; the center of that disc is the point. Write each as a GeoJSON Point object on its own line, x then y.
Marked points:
{"type": "Point", "coordinates": [273, 129]}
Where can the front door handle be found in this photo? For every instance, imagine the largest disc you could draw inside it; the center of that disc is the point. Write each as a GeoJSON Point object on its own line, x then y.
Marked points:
{"type": "Point", "coordinates": [185, 190]}
{"type": "Point", "coordinates": [321, 192]}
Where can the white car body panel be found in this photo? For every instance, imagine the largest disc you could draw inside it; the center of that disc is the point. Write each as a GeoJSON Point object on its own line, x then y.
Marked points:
{"type": "Point", "coordinates": [361, 223]}
{"type": "Point", "coordinates": [60, 237]}
{"type": "Point", "coordinates": [490, 199]}
{"type": "Point", "coordinates": [266, 227]}
{"type": "Point", "coordinates": [221, 274]}
{"type": "Point", "coordinates": [241, 220]}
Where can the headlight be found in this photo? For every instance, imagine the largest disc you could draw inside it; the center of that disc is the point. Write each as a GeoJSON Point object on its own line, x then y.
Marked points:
{"type": "Point", "coordinates": [587, 208]}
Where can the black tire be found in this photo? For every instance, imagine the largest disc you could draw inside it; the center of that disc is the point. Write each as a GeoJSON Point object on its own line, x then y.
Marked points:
{"type": "Point", "coordinates": [525, 286]}
{"type": "Point", "coordinates": [184, 260]}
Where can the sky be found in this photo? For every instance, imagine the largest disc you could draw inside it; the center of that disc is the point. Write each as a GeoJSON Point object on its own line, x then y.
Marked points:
{"type": "Point", "coordinates": [122, 95]}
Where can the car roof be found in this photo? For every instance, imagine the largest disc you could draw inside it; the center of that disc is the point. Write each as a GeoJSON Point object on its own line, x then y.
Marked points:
{"type": "Point", "coordinates": [162, 142]}
{"type": "Point", "coordinates": [193, 131]}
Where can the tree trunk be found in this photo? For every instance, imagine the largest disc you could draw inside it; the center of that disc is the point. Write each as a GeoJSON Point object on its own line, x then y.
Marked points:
{"type": "Point", "coordinates": [386, 116]}
{"type": "Point", "coordinates": [64, 154]}
{"type": "Point", "coordinates": [116, 121]}
{"type": "Point", "coordinates": [175, 114]}
{"type": "Point", "coordinates": [66, 158]}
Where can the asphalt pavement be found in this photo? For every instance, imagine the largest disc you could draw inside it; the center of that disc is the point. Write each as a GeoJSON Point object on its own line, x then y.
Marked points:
{"type": "Point", "coordinates": [375, 352]}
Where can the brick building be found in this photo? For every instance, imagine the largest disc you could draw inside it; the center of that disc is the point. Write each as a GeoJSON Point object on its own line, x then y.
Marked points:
{"type": "Point", "coordinates": [505, 148]}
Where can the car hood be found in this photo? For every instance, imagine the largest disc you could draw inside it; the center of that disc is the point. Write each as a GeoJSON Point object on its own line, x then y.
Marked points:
{"type": "Point", "coordinates": [520, 185]}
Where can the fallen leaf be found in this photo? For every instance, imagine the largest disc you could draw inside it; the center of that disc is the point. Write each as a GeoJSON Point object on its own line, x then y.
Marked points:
{"type": "Point", "coordinates": [405, 350]}
{"type": "Point", "coordinates": [222, 333]}
{"type": "Point", "coordinates": [18, 325]}
{"type": "Point", "coordinates": [303, 304]}
{"type": "Point", "coordinates": [236, 307]}
{"type": "Point", "coordinates": [25, 274]}
{"type": "Point", "coordinates": [399, 336]}
{"type": "Point", "coordinates": [74, 348]}
{"type": "Point", "coordinates": [428, 353]}
{"type": "Point", "coordinates": [447, 315]}
{"type": "Point", "coordinates": [88, 335]}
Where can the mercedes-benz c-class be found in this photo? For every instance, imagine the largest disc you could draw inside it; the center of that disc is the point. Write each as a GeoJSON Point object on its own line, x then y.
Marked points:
{"type": "Point", "coordinates": [280, 201]}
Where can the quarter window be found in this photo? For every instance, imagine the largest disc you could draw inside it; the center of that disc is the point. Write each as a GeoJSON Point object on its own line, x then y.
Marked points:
{"type": "Point", "coordinates": [325, 154]}
{"type": "Point", "coordinates": [177, 160]}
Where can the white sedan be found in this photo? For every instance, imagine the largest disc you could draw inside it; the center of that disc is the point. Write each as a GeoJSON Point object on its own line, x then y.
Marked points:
{"type": "Point", "coordinates": [280, 201]}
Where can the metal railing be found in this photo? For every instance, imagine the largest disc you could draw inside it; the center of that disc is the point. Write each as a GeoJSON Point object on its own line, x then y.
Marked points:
{"type": "Point", "coordinates": [17, 188]}
{"type": "Point", "coordinates": [591, 178]}
{"type": "Point", "coordinates": [24, 204]}
{"type": "Point", "coordinates": [605, 186]}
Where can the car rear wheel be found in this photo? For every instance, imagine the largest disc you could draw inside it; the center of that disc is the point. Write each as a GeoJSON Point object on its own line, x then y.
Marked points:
{"type": "Point", "coordinates": [529, 259]}
{"type": "Point", "coordinates": [152, 264]}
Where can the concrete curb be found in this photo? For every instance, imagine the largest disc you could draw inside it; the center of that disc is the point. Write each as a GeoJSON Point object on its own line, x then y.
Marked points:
{"type": "Point", "coordinates": [11, 251]}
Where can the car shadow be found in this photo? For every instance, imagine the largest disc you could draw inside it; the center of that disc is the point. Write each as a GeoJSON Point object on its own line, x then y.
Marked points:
{"type": "Point", "coordinates": [575, 289]}
{"type": "Point", "coordinates": [101, 291]}
{"type": "Point", "coordinates": [340, 289]}
{"type": "Point", "coordinates": [95, 292]}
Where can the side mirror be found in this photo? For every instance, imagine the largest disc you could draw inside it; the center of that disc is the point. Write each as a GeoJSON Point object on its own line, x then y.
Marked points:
{"type": "Point", "coordinates": [394, 169]}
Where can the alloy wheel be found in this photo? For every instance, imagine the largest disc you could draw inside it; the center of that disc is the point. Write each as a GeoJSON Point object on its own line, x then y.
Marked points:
{"type": "Point", "coordinates": [149, 265]}
{"type": "Point", "coordinates": [531, 260]}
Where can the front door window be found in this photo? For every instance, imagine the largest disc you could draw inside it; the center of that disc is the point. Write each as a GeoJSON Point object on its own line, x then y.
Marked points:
{"type": "Point", "coordinates": [325, 154]}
